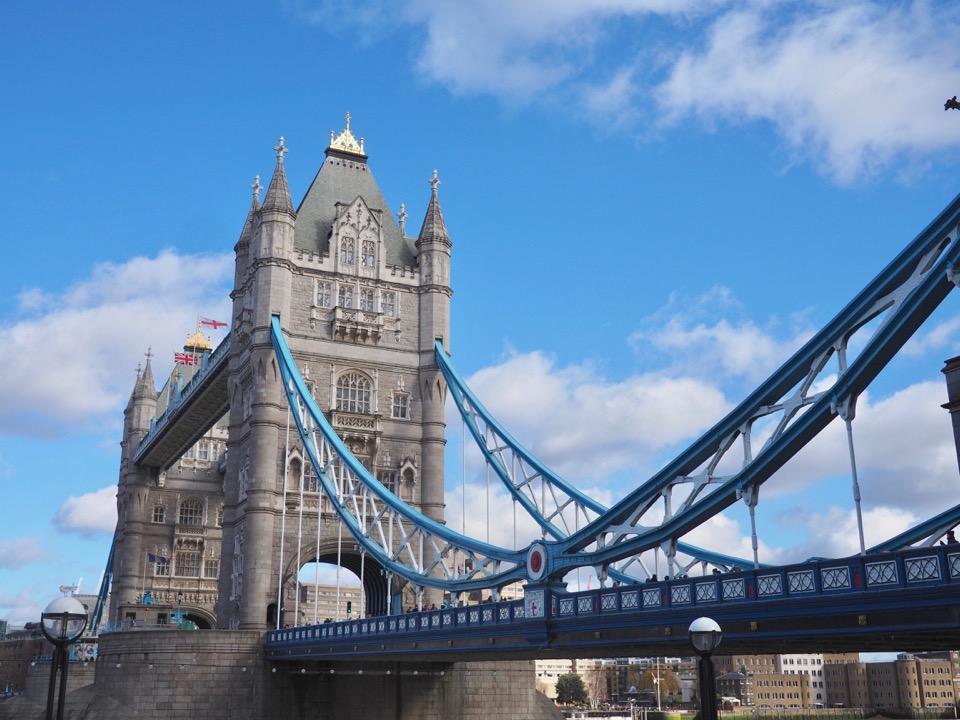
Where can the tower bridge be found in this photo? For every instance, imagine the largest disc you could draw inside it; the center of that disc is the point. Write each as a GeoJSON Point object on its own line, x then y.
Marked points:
{"type": "Point", "coordinates": [328, 395]}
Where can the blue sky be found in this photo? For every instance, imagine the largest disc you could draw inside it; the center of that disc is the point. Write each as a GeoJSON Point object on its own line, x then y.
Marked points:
{"type": "Point", "coordinates": [647, 198]}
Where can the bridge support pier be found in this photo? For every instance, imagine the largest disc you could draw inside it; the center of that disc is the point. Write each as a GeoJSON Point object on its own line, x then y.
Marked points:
{"type": "Point", "coordinates": [424, 690]}
{"type": "Point", "coordinates": [221, 675]}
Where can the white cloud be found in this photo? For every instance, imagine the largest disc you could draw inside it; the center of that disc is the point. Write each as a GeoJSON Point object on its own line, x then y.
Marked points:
{"type": "Point", "coordinates": [20, 552]}
{"type": "Point", "coordinates": [587, 427]}
{"type": "Point", "coordinates": [498, 525]}
{"type": "Point", "coordinates": [61, 351]}
{"type": "Point", "coordinates": [833, 530]}
{"type": "Point", "coordinates": [723, 534]}
{"type": "Point", "coordinates": [853, 85]}
{"type": "Point", "coordinates": [849, 87]}
{"type": "Point", "coordinates": [89, 514]}
{"type": "Point", "coordinates": [524, 51]}
{"type": "Point", "coordinates": [20, 608]}
{"type": "Point", "coordinates": [941, 337]}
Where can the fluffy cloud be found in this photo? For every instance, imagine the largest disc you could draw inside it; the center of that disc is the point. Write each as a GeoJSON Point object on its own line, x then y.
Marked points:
{"type": "Point", "coordinates": [691, 329]}
{"type": "Point", "coordinates": [526, 50]}
{"type": "Point", "coordinates": [20, 608]}
{"type": "Point", "coordinates": [587, 427]}
{"type": "Point", "coordinates": [89, 514]}
{"type": "Point", "coordinates": [834, 530]}
{"type": "Point", "coordinates": [60, 352]}
{"type": "Point", "coordinates": [20, 552]}
{"type": "Point", "coordinates": [849, 87]}
{"type": "Point", "coordinates": [854, 84]}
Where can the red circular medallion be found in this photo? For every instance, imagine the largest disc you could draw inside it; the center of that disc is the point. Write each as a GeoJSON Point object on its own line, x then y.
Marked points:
{"type": "Point", "coordinates": [536, 561]}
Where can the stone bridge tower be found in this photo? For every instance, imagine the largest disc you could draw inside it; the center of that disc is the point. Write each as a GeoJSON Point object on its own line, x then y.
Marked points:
{"type": "Point", "coordinates": [361, 303]}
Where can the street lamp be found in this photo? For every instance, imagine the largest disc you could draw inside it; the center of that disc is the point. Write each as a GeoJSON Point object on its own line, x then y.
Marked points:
{"type": "Point", "coordinates": [179, 603]}
{"type": "Point", "coordinates": [62, 623]}
{"type": "Point", "coordinates": [705, 636]}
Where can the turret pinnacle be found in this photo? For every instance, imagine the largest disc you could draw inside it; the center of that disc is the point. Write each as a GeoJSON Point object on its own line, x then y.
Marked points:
{"type": "Point", "coordinates": [246, 235]}
{"type": "Point", "coordinates": [278, 195]}
{"type": "Point", "coordinates": [433, 226]}
{"type": "Point", "coordinates": [144, 388]}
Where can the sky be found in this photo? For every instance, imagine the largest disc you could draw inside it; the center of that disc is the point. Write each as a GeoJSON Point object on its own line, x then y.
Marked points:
{"type": "Point", "coordinates": [652, 204]}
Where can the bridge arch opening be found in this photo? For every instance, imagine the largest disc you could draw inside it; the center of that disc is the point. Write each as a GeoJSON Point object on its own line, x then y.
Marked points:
{"type": "Point", "coordinates": [363, 588]}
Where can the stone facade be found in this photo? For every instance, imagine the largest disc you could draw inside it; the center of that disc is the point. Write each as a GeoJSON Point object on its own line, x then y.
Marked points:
{"type": "Point", "coordinates": [221, 675]}
{"type": "Point", "coordinates": [168, 540]}
{"type": "Point", "coordinates": [361, 304]}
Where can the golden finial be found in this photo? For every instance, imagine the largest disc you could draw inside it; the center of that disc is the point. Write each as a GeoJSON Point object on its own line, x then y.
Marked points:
{"type": "Point", "coordinates": [197, 341]}
{"type": "Point", "coordinates": [346, 141]}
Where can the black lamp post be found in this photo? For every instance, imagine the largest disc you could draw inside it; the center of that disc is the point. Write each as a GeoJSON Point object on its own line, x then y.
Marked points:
{"type": "Point", "coordinates": [179, 603]}
{"type": "Point", "coordinates": [62, 623]}
{"type": "Point", "coordinates": [705, 636]}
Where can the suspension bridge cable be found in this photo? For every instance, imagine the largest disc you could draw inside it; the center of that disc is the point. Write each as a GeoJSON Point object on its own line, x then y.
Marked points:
{"type": "Point", "coordinates": [339, 535]}
{"type": "Point", "coordinates": [283, 518]}
{"type": "Point", "coordinates": [847, 411]}
{"type": "Point", "coordinates": [316, 561]}
{"type": "Point", "coordinates": [363, 557]}
{"type": "Point", "coordinates": [487, 467]}
{"type": "Point", "coordinates": [296, 604]}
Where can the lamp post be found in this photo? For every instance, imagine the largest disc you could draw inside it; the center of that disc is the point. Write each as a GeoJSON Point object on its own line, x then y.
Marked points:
{"type": "Point", "coordinates": [62, 623]}
{"type": "Point", "coordinates": [705, 635]}
{"type": "Point", "coordinates": [179, 603]}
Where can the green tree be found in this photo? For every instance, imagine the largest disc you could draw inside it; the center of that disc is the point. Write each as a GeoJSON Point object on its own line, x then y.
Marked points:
{"type": "Point", "coordinates": [570, 689]}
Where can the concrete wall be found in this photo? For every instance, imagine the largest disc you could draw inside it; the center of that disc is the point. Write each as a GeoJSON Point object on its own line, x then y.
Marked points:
{"type": "Point", "coordinates": [221, 675]}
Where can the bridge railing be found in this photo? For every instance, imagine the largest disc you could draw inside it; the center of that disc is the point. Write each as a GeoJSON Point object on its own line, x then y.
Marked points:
{"type": "Point", "coordinates": [915, 567]}
{"type": "Point", "coordinates": [485, 614]}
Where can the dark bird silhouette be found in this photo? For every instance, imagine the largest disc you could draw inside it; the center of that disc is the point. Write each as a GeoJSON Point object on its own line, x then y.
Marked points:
{"type": "Point", "coordinates": [952, 103]}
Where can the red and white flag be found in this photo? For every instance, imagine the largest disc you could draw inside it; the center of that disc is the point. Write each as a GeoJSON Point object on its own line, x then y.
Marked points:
{"type": "Point", "coordinates": [215, 324]}
{"type": "Point", "coordinates": [185, 359]}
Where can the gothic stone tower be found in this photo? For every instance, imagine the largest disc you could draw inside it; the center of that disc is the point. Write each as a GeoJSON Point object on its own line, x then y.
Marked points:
{"type": "Point", "coordinates": [361, 304]}
{"type": "Point", "coordinates": [167, 546]}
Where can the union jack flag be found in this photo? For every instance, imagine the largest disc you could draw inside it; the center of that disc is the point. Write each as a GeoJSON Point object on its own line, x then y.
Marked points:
{"type": "Point", "coordinates": [185, 359]}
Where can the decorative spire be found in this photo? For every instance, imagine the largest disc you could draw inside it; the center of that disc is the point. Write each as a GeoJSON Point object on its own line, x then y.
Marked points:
{"type": "Point", "coordinates": [402, 217]}
{"type": "Point", "coordinates": [346, 142]}
{"type": "Point", "coordinates": [144, 387]}
{"type": "Point", "coordinates": [257, 187]}
{"type": "Point", "coordinates": [280, 150]}
{"type": "Point", "coordinates": [434, 228]}
{"type": "Point", "coordinates": [278, 194]}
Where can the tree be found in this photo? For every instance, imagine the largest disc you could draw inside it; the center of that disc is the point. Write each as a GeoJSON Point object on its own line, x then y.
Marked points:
{"type": "Point", "coordinates": [667, 680]}
{"type": "Point", "coordinates": [570, 689]}
{"type": "Point", "coordinates": [598, 681]}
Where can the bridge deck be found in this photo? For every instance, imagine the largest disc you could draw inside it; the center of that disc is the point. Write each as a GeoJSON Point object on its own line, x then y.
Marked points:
{"type": "Point", "coordinates": [200, 404]}
{"type": "Point", "coordinates": [908, 600]}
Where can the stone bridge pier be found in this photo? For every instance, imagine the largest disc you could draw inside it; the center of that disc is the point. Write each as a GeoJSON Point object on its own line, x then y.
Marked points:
{"type": "Point", "coordinates": [222, 675]}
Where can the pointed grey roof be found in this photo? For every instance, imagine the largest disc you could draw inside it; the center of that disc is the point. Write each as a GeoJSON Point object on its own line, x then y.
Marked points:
{"type": "Point", "coordinates": [434, 228]}
{"type": "Point", "coordinates": [246, 235]}
{"type": "Point", "coordinates": [278, 194]}
{"type": "Point", "coordinates": [342, 178]}
{"type": "Point", "coordinates": [144, 388]}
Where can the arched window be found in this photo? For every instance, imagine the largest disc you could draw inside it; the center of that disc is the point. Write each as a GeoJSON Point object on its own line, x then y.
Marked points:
{"type": "Point", "coordinates": [354, 393]}
{"type": "Point", "coordinates": [191, 512]}
{"type": "Point", "coordinates": [347, 251]}
{"type": "Point", "coordinates": [368, 255]}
